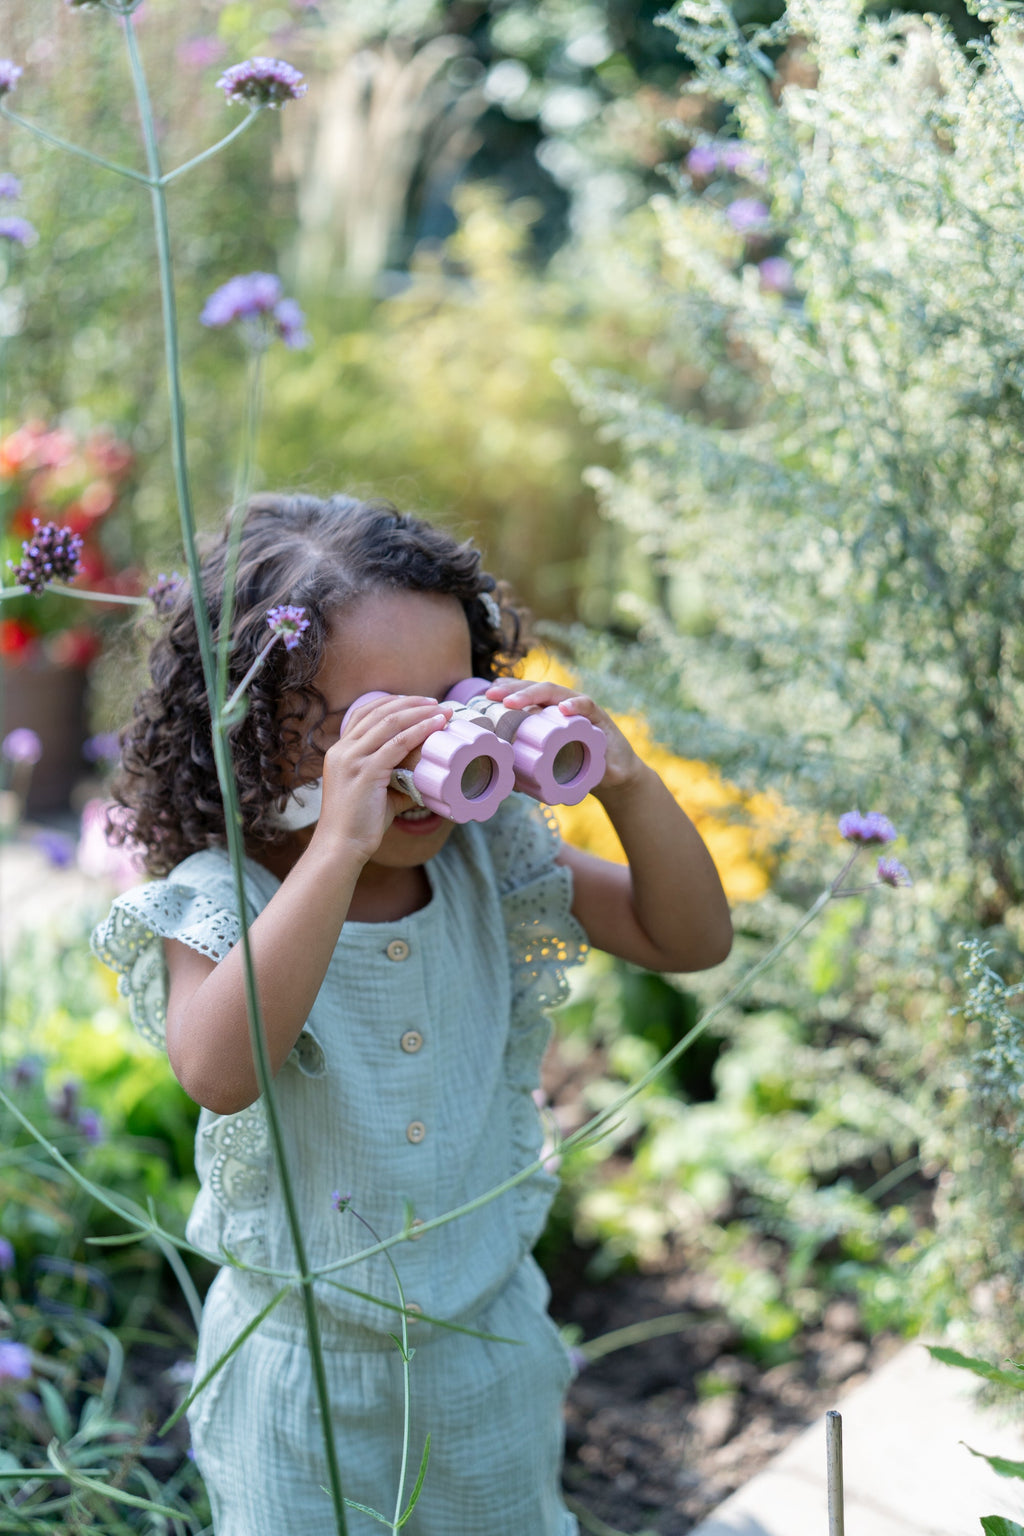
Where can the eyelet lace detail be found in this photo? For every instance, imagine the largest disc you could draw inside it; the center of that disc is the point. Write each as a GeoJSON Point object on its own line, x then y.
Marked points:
{"type": "Point", "coordinates": [232, 1151]}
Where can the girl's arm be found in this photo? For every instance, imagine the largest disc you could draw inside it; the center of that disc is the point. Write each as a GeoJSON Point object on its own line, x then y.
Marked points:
{"type": "Point", "coordinates": [293, 938]}
{"type": "Point", "coordinates": [666, 910]}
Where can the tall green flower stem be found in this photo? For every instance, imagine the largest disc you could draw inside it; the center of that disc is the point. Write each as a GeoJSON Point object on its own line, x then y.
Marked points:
{"type": "Point", "coordinates": [222, 755]}
{"type": "Point", "coordinates": [243, 483]}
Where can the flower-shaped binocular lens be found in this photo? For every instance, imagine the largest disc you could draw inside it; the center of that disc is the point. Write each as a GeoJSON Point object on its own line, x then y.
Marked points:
{"type": "Point", "coordinates": [486, 750]}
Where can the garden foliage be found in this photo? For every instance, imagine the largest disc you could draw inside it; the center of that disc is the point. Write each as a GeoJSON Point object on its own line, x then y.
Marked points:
{"type": "Point", "coordinates": [835, 529]}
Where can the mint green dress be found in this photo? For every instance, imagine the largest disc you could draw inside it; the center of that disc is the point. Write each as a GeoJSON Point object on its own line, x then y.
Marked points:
{"type": "Point", "coordinates": [409, 1091]}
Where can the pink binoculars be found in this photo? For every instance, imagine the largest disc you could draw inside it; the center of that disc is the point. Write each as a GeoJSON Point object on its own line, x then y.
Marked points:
{"type": "Point", "coordinates": [486, 750]}
{"type": "Point", "coordinates": [558, 758]}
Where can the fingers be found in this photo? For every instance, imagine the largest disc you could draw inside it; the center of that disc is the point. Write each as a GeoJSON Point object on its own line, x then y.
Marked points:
{"type": "Point", "coordinates": [392, 726]}
{"type": "Point", "coordinates": [520, 694]}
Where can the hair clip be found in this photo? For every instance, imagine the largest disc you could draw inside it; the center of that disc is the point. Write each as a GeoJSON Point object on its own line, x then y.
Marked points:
{"type": "Point", "coordinates": [491, 609]}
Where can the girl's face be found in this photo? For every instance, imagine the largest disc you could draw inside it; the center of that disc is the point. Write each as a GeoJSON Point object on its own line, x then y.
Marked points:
{"type": "Point", "coordinates": [397, 642]}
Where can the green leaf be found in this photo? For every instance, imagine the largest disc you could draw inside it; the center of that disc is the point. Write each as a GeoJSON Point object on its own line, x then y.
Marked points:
{"type": "Point", "coordinates": [375, 1514]}
{"type": "Point", "coordinates": [419, 1482]}
{"type": "Point", "coordinates": [223, 1360]}
{"type": "Point", "coordinates": [56, 1410]}
{"type": "Point", "coordinates": [107, 1490]}
{"type": "Point", "coordinates": [978, 1367]}
{"type": "Point", "coordinates": [999, 1525]}
{"type": "Point", "coordinates": [1000, 1464]}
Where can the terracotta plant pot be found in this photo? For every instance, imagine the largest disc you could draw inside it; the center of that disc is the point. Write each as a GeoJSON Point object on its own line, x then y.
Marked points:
{"type": "Point", "coordinates": [49, 700]}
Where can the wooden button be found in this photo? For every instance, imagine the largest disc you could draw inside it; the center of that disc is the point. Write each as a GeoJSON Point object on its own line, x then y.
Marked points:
{"type": "Point", "coordinates": [398, 949]}
{"type": "Point", "coordinates": [417, 1221]}
{"type": "Point", "coordinates": [415, 1131]}
{"type": "Point", "coordinates": [412, 1041]}
{"type": "Point", "coordinates": [413, 1310]}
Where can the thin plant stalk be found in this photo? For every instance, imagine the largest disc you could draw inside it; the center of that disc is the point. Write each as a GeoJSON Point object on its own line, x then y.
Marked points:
{"type": "Point", "coordinates": [232, 816]}
{"type": "Point", "coordinates": [124, 598]}
{"type": "Point", "coordinates": [243, 483]}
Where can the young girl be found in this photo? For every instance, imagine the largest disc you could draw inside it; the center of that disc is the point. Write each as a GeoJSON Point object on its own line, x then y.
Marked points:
{"type": "Point", "coordinates": [403, 966]}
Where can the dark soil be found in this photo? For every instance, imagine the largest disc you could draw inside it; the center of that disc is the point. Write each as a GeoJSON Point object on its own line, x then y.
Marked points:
{"type": "Point", "coordinates": [660, 1432]}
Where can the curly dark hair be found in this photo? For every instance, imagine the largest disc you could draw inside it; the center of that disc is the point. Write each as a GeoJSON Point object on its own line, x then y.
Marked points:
{"type": "Point", "coordinates": [294, 549]}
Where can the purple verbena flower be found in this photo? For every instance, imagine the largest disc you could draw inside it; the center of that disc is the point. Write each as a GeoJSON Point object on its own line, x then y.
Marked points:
{"type": "Point", "coordinates": [56, 847]}
{"type": "Point", "coordinates": [10, 186]}
{"type": "Point", "coordinates": [870, 827]}
{"type": "Point", "coordinates": [702, 161]}
{"type": "Point", "coordinates": [340, 1202]}
{"type": "Point", "coordinates": [26, 1071]}
{"type": "Point", "coordinates": [65, 1107]}
{"type": "Point", "coordinates": [10, 74]}
{"type": "Point", "coordinates": [164, 591]}
{"type": "Point", "coordinates": [15, 1361]}
{"type": "Point", "coordinates": [241, 298]}
{"type": "Point", "coordinates": [255, 299]}
{"type": "Point", "coordinates": [747, 213]}
{"type": "Point", "coordinates": [51, 554]}
{"type": "Point", "coordinates": [262, 82]}
{"type": "Point", "coordinates": [289, 623]}
{"type": "Point", "coordinates": [892, 872]}
{"type": "Point", "coordinates": [776, 274]}
{"type": "Point", "coordinates": [90, 1125]}
{"type": "Point", "coordinates": [105, 747]}
{"type": "Point", "coordinates": [740, 159]}
{"type": "Point", "coordinates": [291, 324]}
{"type": "Point", "coordinates": [21, 746]}
{"type": "Point", "coordinates": [6, 1255]}
{"type": "Point", "coordinates": [18, 230]}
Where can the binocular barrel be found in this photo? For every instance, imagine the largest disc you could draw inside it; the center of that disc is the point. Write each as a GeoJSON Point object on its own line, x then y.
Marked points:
{"type": "Point", "coordinates": [463, 772]}
{"type": "Point", "coordinates": [486, 750]}
{"type": "Point", "coordinates": [558, 758]}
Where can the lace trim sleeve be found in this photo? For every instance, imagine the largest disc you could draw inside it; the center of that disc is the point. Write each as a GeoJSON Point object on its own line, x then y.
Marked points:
{"type": "Point", "coordinates": [130, 942]}
{"type": "Point", "coordinates": [544, 938]}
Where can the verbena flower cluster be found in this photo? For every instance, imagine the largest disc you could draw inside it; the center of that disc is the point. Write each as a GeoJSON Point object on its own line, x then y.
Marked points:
{"type": "Point", "coordinates": [51, 554]}
{"type": "Point", "coordinates": [867, 828]}
{"type": "Point", "coordinates": [10, 186]}
{"type": "Point", "coordinates": [892, 872]}
{"type": "Point", "coordinates": [288, 623]}
{"type": "Point", "coordinates": [164, 591]}
{"type": "Point", "coordinates": [17, 230]}
{"type": "Point", "coordinates": [257, 297]}
{"type": "Point", "coordinates": [15, 1361]}
{"type": "Point", "coordinates": [10, 74]}
{"type": "Point", "coordinates": [262, 82]}
{"type": "Point", "coordinates": [21, 746]}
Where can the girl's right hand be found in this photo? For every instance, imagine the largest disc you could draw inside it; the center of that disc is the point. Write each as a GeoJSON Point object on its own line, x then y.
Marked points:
{"type": "Point", "coordinates": [359, 804]}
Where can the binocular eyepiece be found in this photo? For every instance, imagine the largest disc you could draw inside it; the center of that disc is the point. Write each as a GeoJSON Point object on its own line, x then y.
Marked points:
{"type": "Point", "coordinates": [486, 750]}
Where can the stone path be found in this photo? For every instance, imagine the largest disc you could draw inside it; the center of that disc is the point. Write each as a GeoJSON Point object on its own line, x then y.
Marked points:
{"type": "Point", "coordinates": [906, 1467]}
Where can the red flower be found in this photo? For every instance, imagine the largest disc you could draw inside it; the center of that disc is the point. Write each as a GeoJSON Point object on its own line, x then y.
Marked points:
{"type": "Point", "coordinates": [16, 637]}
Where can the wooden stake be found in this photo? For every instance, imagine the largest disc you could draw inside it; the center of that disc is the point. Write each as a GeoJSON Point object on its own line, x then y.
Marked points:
{"type": "Point", "coordinates": [834, 1455]}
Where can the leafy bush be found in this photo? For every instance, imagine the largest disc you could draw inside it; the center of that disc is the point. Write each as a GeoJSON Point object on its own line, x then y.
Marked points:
{"type": "Point", "coordinates": [834, 529]}
{"type": "Point", "coordinates": [91, 1338]}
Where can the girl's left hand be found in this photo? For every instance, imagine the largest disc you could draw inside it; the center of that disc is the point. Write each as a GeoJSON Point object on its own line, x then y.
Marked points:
{"type": "Point", "coordinates": [622, 766]}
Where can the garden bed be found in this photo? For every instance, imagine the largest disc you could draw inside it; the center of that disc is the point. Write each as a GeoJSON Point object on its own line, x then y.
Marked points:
{"type": "Point", "coordinates": [660, 1432]}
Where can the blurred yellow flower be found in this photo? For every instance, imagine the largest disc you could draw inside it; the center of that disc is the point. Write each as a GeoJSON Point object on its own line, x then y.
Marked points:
{"type": "Point", "coordinates": [737, 828]}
